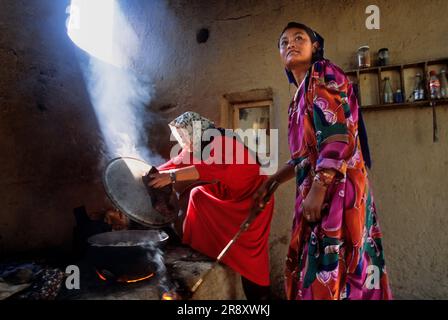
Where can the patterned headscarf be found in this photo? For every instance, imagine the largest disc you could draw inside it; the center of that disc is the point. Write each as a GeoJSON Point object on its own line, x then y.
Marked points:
{"type": "Point", "coordinates": [189, 127]}
{"type": "Point", "coordinates": [314, 36]}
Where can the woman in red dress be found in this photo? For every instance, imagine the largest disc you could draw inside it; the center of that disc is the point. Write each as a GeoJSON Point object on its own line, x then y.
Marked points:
{"type": "Point", "coordinates": [216, 210]}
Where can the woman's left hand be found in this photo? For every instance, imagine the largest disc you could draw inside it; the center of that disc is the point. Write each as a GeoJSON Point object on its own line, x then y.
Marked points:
{"type": "Point", "coordinates": [159, 180]}
{"type": "Point", "coordinates": [312, 204]}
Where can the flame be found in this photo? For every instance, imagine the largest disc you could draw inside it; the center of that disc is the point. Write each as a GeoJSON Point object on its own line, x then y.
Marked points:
{"type": "Point", "coordinates": [100, 275]}
{"type": "Point", "coordinates": [167, 296]}
{"type": "Point", "coordinates": [125, 279]}
{"type": "Point", "coordinates": [170, 295]}
{"type": "Point", "coordinates": [140, 279]}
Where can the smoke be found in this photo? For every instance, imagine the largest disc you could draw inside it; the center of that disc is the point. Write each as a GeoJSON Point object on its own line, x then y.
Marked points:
{"type": "Point", "coordinates": [117, 92]}
{"type": "Point", "coordinates": [155, 255]}
{"type": "Point", "coordinates": [120, 98]}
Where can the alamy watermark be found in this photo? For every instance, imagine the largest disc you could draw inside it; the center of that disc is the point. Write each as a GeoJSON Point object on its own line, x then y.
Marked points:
{"type": "Point", "coordinates": [373, 20]}
{"type": "Point", "coordinates": [73, 280]}
{"type": "Point", "coordinates": [252, 149]}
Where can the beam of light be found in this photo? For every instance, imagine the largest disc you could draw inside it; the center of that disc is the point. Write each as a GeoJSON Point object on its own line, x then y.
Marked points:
{"type": "Point", "coordinates": [90, 27]}
{"type": "Point", "coordinates": [118, 94]}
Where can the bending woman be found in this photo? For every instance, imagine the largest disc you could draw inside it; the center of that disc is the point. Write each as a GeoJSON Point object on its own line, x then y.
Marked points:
{"type": "Point", "coordinates": [335, 250]}
{"type": "Point", "coordinates": [216, 210]}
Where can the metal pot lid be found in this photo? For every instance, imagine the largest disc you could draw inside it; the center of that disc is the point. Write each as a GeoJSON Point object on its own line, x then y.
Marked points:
{"type": "Point", "coordinates": [123, 183]}
{"type": "Point", "coordinates": [129, 238]}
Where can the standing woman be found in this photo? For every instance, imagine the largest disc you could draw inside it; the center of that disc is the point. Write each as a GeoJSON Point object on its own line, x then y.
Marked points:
{"type": "Point", "coordinates": [335, 250]}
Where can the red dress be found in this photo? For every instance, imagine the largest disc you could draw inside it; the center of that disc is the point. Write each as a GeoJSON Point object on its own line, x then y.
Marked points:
{"type": "Point", "coordinates": [216, 210]}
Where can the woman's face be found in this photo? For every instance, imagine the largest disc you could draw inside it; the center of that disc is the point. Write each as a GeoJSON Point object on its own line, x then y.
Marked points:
{"type": "Point", "coordinates": [182, 137]}
{"type": "Point", "coordinates": [296, 48]}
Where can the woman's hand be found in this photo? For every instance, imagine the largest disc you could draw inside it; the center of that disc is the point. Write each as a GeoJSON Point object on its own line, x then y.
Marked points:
{"type": "Point", "coordinates": [159, 180]}
{"type": "Point", "coordinates": [284, 174]}
{"type": "Point", "coordinates": [259, 195]}
{"type": "Point", "coordinates": [312, 204]}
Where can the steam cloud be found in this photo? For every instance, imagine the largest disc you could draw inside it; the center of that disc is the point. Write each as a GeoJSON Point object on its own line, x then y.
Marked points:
{"type": "Point", "coordinates": [117, 92]}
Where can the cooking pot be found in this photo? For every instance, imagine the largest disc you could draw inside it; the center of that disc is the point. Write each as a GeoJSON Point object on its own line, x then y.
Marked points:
{"type": "Point", "coordinates": [127, 256]}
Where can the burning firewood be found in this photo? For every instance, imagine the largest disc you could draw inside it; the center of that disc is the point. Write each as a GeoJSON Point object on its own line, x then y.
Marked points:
{"type": "Point", "coordinates": [171, 295]}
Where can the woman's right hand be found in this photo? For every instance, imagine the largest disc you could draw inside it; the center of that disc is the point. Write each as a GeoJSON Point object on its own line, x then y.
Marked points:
{"type": "Point", "coordinates": [284, 174]}
{"type": "Point", "coordinates": [262, 191]}
{"type": "Point", "coordinates": [159, 180]}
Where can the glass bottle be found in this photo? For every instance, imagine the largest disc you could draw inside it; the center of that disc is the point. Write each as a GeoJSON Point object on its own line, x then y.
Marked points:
{"type": "Point", "coordinates": [443, 84]}
{"type": "Point", "coordinates": [434, 85]}
{"type": "Point", "coordinates": [388, 94]}
{"type": "Point", "coordinates": [419, 92]}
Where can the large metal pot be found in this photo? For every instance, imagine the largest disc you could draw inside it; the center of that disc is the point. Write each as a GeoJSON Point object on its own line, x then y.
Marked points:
{"type": "Point", "coordinates": [126, 256]}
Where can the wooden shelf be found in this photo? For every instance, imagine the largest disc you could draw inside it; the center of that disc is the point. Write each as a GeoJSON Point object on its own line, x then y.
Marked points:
{"type": "Point", "coordinates": [370, 82]}
{"type": "Point", "coordinates": [395, 66]}
{"type": "Point", "coordinates": [393, 106]}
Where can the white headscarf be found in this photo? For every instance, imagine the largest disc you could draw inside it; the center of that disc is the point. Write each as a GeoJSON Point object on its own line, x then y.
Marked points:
{"type": "Point", "coordinates": [189, 127]}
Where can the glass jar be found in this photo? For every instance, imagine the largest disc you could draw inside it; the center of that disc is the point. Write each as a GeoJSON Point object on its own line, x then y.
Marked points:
{"type": "Point", "coordinates": [364, 57]}
{"type": "Point", "coordinates": [383, 57]}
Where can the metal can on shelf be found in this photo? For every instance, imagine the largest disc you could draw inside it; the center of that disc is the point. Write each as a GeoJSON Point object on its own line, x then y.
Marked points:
{"type": "Point", "coordinates": [364, 57]}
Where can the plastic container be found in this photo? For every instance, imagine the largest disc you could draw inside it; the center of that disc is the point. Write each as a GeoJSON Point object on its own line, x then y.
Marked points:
{"type": "Point", "coordinates": [398, 96]}
{"type": "Point", "coordinates": [434, 85]}
{"type": "Point", "coordinates": [364, 57]}
{"type": "Point", "coordinates": [419, 92]}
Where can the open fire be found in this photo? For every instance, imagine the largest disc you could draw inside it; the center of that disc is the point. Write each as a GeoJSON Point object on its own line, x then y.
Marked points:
{"type": "Point", "coordinates": [167, 295]}
{"type": "Point", "coordinates": [124, 279]}
{"type": "Point", "coordinates": [171, 295]}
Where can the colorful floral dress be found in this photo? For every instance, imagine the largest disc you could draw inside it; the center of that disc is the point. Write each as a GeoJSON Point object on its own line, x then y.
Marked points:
{"type": "Point", "coordinates": [341, 256]}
